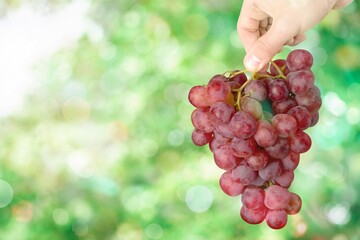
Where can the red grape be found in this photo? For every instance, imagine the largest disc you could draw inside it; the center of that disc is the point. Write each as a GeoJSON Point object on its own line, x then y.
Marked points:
{"type": "Point", "coordinates": [224, 157]}
{"type": "Point", "coordinates": [257, 90]}
{"type": "Point", "coordinates": [257, 160]}
{"type": "Point", "coordinates": [201, 120]}
{"type": "Point", "coordinates": [276, 219]}
{"type": "Point", "coordinates": [277, 197]}
{"type": "Point", "coordinates": [229, 185]}
{"type": "Point", "coordinates": [283, 106]}
{"type": "Point", "coordinates": [278, 90]}
{"type": "Point", "coordinates": [198, 97]}
{"type": "Point", "coordinates": [253, 216]}
{"type": "Point", "coordinates": [280, 149]}
{"type": "Point", "coordinates": [285, 124]}
{"type": "Point", "coordinates": [294, 205]}
{"type": "Point", "coordinates": [253, 197]}
{"type": "Point", "coordinates": [301, 81]}
{"type": "Point", "coordinates": [266, 135]}
{"type": "Point", "coordinates": [285, 179]}
{"type": "Point", "coordinates": [243, 125]}
{"type": "Point", "coordinates": [243, 147]}
{"type": "Point", "coordinates": [300, 142]}
{"type": "Point", "coordinates": [299, 59]}
{"type": "Point", "coordinates": [271, 172]}
{"type": "Point", "coordinates": [201, 138]}
{"type": "Point", "coordinates": [302, 116]}
{"type": "Point", "coordinates": [243, 174]}
{"type": "Point", "coordinates": [290, 161]}
{"type": "Point", "coordinates": [221, 112]}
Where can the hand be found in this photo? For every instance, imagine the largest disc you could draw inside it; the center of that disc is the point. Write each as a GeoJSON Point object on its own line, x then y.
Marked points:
{"type": "Point", "coordinates": [266, 26]}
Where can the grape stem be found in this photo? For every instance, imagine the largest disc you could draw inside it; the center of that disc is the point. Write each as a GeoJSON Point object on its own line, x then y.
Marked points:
{"type": "Point", "coordinates": [240, 89]}
{"type": "Point", "coordinates": [280, 71]}
{"type": "Point", "coordinates": [234, 73]}
{"type": "Point", "coordinates": [253, 76]}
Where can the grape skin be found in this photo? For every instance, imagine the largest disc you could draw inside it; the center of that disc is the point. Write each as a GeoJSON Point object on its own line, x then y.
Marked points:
{"type": "Point", "coordinates": [299, 59]}
{"type": "Point", "coordinates": [276, 219]}
{"type": "Point", "coordinates": [200, 138]}
{"type": "Point", "coordinates": [253, 216]}
{"type": "Point", "coordinates": [224, 157]}
{"type": "Point", "coordinates": [265, 135]}
{"type": "Point", "coordinates": [253, 197]}
{"type": "Point", "coordinates": [285, 125]}
{"type": "Point", "coordinates": [243, 125]}
{"type": "Point", "coordinates": [229, 185]}
{"type": "Point", "coordinates": [277, 197]}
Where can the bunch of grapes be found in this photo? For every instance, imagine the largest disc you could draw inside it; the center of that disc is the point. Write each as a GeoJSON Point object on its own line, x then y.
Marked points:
{"type": "Point", "coordinates": [255, 127]}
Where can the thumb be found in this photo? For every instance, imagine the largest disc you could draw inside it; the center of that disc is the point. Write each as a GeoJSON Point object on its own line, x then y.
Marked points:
{"type": "Point", "coordinates": [266, 46]}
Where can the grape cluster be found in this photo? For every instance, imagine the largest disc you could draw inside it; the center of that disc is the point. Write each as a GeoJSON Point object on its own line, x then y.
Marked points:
{"type": "Point", "coordinates": [255, 127]}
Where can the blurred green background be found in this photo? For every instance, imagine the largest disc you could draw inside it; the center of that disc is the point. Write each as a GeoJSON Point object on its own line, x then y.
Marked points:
{"type": "Point", "coordinates": [95, 123]}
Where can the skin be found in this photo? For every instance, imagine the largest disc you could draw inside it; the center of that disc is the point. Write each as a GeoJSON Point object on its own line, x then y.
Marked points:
{"type": "Point", "coordinates": [266, 26]}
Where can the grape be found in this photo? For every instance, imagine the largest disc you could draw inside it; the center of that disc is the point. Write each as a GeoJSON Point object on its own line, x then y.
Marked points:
{"type": "Point", "coordinates": [278, 90]}
{"type": "Point", "coordinates": [290, 161]}
{"type": "Point", "coordinates": [201, 120]}
{"type": "Point", "coordinates": [302, 116]}
{"type": "Point", "coordinates": [253, 216]}
{"type": "Point", "coordinates": [300, 81]}
{"type": "Point", "coordinates": [224, 157]}
{"type": "Point", "coordinates": [223, 130]}
{"type": "Point", "coordinates": [265, 136]}
{"type": "Point", "coordinates": [198, 97]}
{"type": "Point", "coordinates": [300, 142]}
{"type": "Point", "coordinates": [280, 149]}
{"type": "Point", "coordinates": [218, 141]}
{"type": "Point", "coordinates": [257, 90]}
{"type": "Point", "coordinates": [243, 125]}
{"type": "Point", "coordinates": [299, 59]}
{"type": "Point", "coordinates": [294, 205]}
{"type": "Point", "coordinates": [283, 106]}
{"type": "Point", "coordinates": [251, 106]}
{"type": "Point", "coordinates": [243, 147]}
{"type": "Point", "coordinates": [285, 179]}
{"type": "Point", "coordinates": [200, 138]}
{"type": "Point", "coordinates": [255, 130]}
{"type": "Point", "coordinates": [229, 185]}
{"type": "Point", "coordinates": [314, 119]}
{"type": "Point", "coordinates": [276, 219]}
{"type": "Point", "coordinates": [285, 124]}
{"type": "Point", "coordinates": [253, 197]}
{"type": "Point", "coordinates": [258, 182]}
{"type": "Point", "coordinates": [243, 174]}
{"type": "Point", "coordinates": [221, 112]}
{"type": "Point", "coordinates": [271, 172]}
{"type": "Point", "coordinates": [277, 197]}
{"type": "Point", "coordinates": [311, 99]}
{"type": "Point", "coordinates": [217, 91]}
{"type": "Point", "coordinates": [257, 160]}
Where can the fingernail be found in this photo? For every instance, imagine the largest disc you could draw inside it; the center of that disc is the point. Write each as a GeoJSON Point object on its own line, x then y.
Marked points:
{"type": "Point", "coordinates": [252, 63]}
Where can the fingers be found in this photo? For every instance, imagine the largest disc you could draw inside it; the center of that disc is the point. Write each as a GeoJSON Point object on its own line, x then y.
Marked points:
{"type": "Point", "coordinates": [265, 47]}
{"type": "Point", "coordinates": [296, 40]}
{"type": "Point", "coordinates": [341, 3]}
{"type": "Point", "coordinates": [249, 23]}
